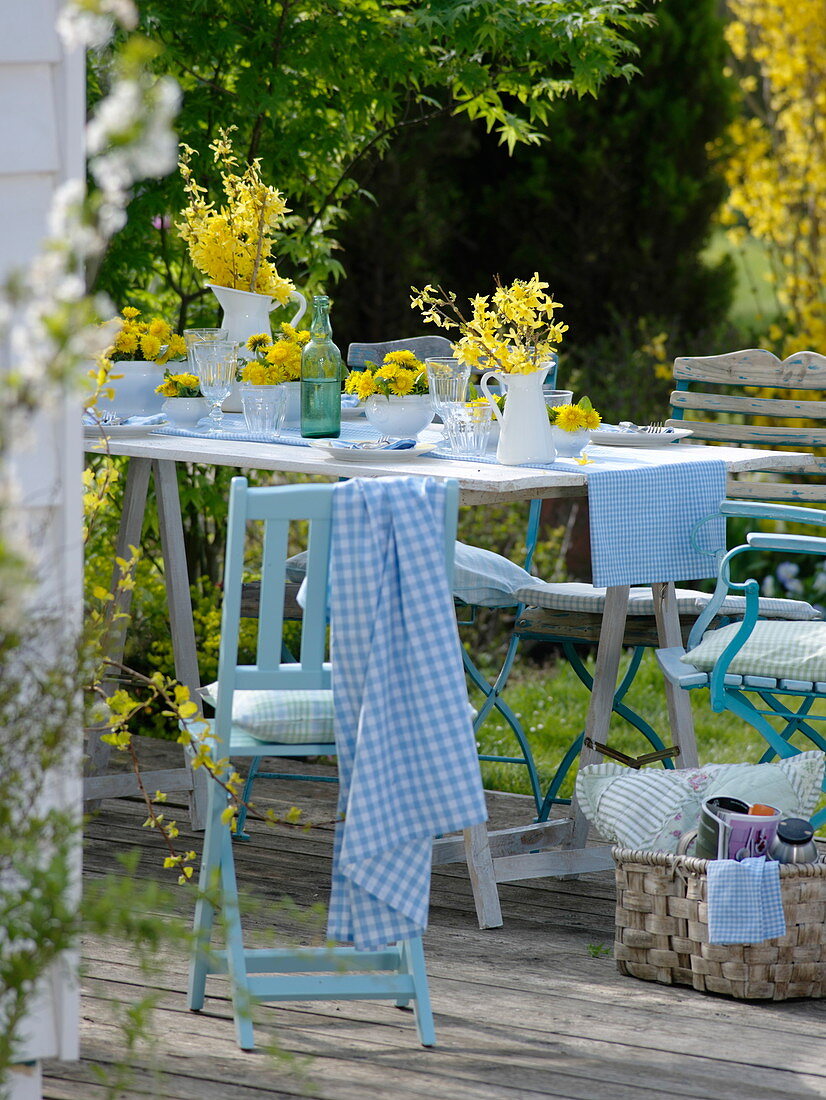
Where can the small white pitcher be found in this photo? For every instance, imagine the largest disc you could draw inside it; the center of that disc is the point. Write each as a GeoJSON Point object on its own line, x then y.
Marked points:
{"type": "Point", "coordinates": [525, 434]}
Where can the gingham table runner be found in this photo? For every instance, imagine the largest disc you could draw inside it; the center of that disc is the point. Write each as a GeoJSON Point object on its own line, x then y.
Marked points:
{"type": "Point", "coordinates": [408, 766]}
{"type": "Point", "coordinates": [643, 508]}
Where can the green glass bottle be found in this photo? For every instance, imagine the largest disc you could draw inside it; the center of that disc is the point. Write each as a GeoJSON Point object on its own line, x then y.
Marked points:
{"type": "Point", "coordinates": [321, 377]}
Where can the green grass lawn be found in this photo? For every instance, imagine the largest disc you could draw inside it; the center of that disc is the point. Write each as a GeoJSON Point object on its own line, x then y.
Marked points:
{"type": "Point", "coordinates": [551, 704]}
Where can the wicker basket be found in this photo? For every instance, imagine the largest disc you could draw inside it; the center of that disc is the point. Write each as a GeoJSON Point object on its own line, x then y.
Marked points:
{"type": "Point", "coordinates": [662, 931]}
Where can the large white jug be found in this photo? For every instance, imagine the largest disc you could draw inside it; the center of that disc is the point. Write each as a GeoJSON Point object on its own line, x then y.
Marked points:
{"type": "Point", "coordinates": [525, 431]}
{"type": "Point", "coordinates": [245, 313]}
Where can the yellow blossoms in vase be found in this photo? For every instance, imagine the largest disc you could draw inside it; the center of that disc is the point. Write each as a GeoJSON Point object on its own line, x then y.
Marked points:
{"type": "Point", "coordinates": [575, 418]}
{"type": "Point", "coordinates": [401, 374]}
{"type": "Point", "coordinates": [275, 362]}
{"type": "Point", "coordinates": [512, 330]}
{"type": "Point", "coordinates": [144, 341]}
{"type": "Point", "coordinates": [179, 385]}
{"type": "Point", "coordinates": [232, 243]}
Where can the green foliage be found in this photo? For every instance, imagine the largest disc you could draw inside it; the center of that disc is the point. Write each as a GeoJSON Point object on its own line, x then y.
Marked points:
{"type": "Point", "coordinates": [316, 90]}
{"type": "Point", "coordinates": [613, 209]}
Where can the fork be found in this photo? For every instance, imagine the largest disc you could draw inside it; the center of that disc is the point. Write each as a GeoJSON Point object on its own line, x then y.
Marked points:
{"type": "Point", "coordinates": [655, 427]}
{"type": "Point", "coordinates": [370, 443]}
{"type": "Point", "coordinates": [108, 418]}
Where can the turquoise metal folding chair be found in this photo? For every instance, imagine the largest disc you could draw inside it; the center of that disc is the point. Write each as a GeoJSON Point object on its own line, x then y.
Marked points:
{"type": "Point", "coordinates": [291, 714]}
{"type": "Point", "coordinates": [766, 673]}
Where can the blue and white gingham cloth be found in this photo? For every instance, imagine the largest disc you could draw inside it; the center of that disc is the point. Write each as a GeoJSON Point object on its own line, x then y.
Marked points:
{"type": "Point", "coordinates": [744, 900]}
{"type": "Point", "coordinates": [642, 520]}
{"type": "Point", "coordinates": [408, 765]}
{"type": "Point", "coordinates": [235, 430]}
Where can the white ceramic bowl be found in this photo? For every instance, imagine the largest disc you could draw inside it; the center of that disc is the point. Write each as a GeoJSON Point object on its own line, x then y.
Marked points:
{"type": "Point", "coordinates": [399, 417]}
{"type": "Point", "coordinates": [185, 412]}
{"type": "Point", "coordinates": [134, 392]}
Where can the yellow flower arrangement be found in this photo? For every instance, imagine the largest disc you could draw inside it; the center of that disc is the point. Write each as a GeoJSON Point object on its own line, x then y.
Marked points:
{"type": "Point", "coordinates": [144, 341]}
{"type": "Point", "coordinates": [512, 330]}
{"type": "Point", "coordinates": [275, 362]}
{"type": "Point", "coordinates": [575, 418]}
{"type": "Point", "coordinates": [231, 244]}
{"type": "Point", "coordinates": [179, 385]}
{"type": "Point", "coordinates": [401, 374]}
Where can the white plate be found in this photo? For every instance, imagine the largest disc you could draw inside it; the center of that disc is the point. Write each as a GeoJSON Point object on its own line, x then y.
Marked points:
{"type": "Point", "coordinates": [368, 454]}
{"type": "Point", "coordinates": [121, 431]}
{"type": "Point", "coordinates": [619, 437]}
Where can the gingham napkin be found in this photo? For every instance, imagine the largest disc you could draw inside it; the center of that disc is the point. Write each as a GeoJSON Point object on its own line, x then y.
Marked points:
{"type": "Point", "coordinates": [642, 519]}
{"type": "Point", "coordinates": [744, 901]}
{"type": "Point", "coordinates": [408, 766]}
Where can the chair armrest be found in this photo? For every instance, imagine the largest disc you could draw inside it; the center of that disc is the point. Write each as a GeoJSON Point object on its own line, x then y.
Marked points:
{"type": "Point", "coordinates": [790, 544]}
{"type": "Point", "coordinates": [786, 513]}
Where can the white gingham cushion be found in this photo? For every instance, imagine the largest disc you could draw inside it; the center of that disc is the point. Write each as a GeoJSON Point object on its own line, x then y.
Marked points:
{"type": "Point", "coordinates": [292, 717]}
{"type": "Point", "coordinates": [783, 651]}
{"type": "Point", "coordinates": [480, 577]}
{"type": "Point", "coordinates": [575, 596]}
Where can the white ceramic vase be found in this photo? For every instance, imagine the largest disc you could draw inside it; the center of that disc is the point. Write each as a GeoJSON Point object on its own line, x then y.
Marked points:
{"type": "Point", "coordinates": [525, 431]}
{"type": "Point", "coordinates": [245, 314]}
{"type": "Point", "coordinates": [185, 412]}
{"type": "Point", "coordinates": [570, 444]}
{"type": "Point", "coordinates": [399, 417]}
{"type": "Point", "coordinates": [134, 391]}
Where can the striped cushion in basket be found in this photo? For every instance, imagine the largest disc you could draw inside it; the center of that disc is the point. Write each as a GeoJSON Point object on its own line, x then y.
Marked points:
{"type": "Point", "coordinates": [292, 717]}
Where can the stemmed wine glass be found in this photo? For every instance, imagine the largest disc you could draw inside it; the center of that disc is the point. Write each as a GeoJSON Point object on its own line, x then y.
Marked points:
{"type": "Point", "coordinates": [215, 365]}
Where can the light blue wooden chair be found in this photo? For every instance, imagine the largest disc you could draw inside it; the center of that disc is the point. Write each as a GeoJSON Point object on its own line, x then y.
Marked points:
{"type": "Point", "coordinates": [758, 670]}
{"type": "Point", "coordinates": [292, 716]}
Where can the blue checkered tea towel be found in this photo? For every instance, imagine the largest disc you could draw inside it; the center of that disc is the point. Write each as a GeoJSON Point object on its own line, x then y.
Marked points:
{"type": "Point", "coordinates": [642, 519]}
{"type": "Point", "coordinates": [744, 900]}
{"type": "Point", "coordinates": [408, 765]}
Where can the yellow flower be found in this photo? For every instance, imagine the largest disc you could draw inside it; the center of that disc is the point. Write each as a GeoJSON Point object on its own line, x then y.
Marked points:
{"type": "Point", "coordinates": [260, 340]}
{"type": "Point", "coordinates": [129, 312]}
{"type": "Point", "coordinates": [150, 346]}
{"type": "Point", "coordinates": [364, 386]}
{"type": "Point", "coordinates": [570, 418]}
{"type": "Point", "coordinates": [404, 382]}
{"type": "Point", "coordinates": [592, 419]}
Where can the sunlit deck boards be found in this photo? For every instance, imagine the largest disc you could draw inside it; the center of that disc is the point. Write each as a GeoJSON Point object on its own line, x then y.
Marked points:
{"type": "Point", "coordinates": [521, 1011]}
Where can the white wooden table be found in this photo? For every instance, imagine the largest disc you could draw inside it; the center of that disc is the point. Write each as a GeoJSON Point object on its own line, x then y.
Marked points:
{"type": "Point", "coordinates": [522, 852]}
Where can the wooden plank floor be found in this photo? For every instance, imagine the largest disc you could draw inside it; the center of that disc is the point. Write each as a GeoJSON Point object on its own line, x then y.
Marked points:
{"type": "Point", "coordinates": [521, 1011]}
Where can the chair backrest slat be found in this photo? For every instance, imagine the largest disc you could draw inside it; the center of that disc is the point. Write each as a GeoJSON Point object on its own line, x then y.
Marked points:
{"type": "Point", "coordinates": [755, 367]}
{"type": "Point", "coordinates": [744, 406]}
{"type": "Point", "coordinates": [725, 415]}
{"type": "Point", "coordinates": [277, 507]}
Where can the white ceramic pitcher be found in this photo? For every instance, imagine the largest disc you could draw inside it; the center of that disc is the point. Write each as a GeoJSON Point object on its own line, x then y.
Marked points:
{"type": "Point", "coordinates": [525, 432]}
{"type": "Point", "coordinates": [245, 313]}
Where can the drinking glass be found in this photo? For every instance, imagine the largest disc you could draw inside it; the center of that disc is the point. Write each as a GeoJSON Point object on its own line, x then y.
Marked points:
{"type": "Point", "coordinates": [264, 408]}
{"type": "Point", "coordinates": [193, 336]}
{"type": "Point", "coordinates": [447, 381]}
{"type": "Point", "coordinates": [468, 429]}
{"type": "Point", "coordinates": [215, 365]}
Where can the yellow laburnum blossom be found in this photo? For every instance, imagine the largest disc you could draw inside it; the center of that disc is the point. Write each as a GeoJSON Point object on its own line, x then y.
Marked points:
{"type": "Point", "coordinates": [777, 172]}
{"type": "Point", "coordinates": [512, 330]}
{"type": "Point", "coordinates": [232, 244]}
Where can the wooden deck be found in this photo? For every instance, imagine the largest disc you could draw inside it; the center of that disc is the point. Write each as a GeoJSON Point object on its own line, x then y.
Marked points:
{"type": "Point", "coordinates": [521, 1011]}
